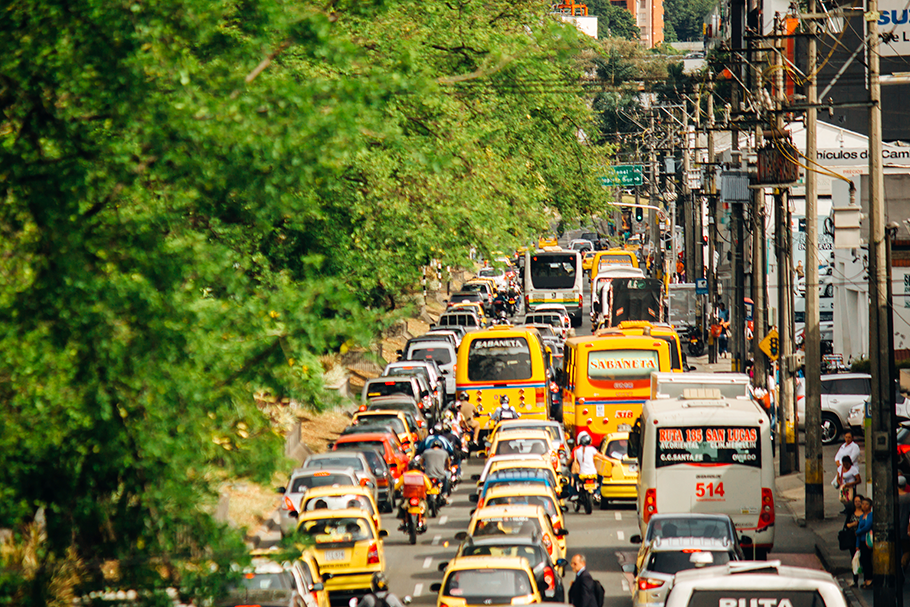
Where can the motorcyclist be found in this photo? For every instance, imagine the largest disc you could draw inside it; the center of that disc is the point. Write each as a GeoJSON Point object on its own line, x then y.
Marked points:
{"type": "Point", "coordinates": [436, 436]}
{"type": "Point", "coordinates": [449, 435]}
{"type": "Point", "coordinates": [379, 595]}
{"type": "Point", "coordinates": [585, 455]}
{"type": "Point", "coordinates": [413, 483]}
{"type": "Point", "coordinates": [500, 302]}
{"type": "Point", "coordinates": [469, 415]}
{"type": "Point", "coordinates": [505, 410]}
{"type": "Point", "coordinates": [436, 463]}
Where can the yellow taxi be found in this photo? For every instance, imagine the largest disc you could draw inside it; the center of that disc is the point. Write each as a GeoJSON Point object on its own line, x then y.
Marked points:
{"type": "Point", "coordinates": [527, 495]}
{"type": "Point", "coordinates": [547, 241]}
{"type": "Point", "coordinates": [487, 580]}
{"type": "Point", "coordinates": [347, 547]}
{"type": "Point", "coordinates": [471, 305]}
{"type": "Point", "coordinates": [539, 463]}
{"type": "Point", "coordinates": [620, 472]}
{"type": "Point", "coordinates": [525, 442]}
{"type": "Point", "coordinates": [340, 497]}
{"type": "Point", "coordinates": [306, 571]}
{"type": "Point", "coordinates": [587, 260]}
{"type": "Point", "coordinates": [408, 439]}
{"type": "Point", "coordinates": [519, 520]}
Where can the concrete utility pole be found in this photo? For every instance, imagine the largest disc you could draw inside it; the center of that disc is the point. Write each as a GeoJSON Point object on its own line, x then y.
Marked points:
{"type": "Point", "coordinates": [737, 326]}
{"type": "Point", "coordinates": [711, 190]}
{"type": "Point", "coordinates": [759, 247]}
{"type": "Point", "coordinates": [887, 575]}
{"type": "Point", "coordinates": [652, 200]}
{"type": "Point", "coordinates": [815, 468]}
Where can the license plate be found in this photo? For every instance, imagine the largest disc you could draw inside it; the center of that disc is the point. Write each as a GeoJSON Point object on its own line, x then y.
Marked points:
{"type": "Point", "coordinates": [600, 410]}
{"type": "Point", "coordinates": [414, 510]}
{"type": "Point", "coordinates": [335, 555]}
{"type": "Point", "coordinates": [624, 428]}
{"type": "Point", "coordinates": [633, 468]}
{"type": "Point", "coordinates": [590, 484]}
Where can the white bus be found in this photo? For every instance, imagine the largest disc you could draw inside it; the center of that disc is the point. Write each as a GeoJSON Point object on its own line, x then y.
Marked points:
{"type": "Point", "coordinates": [707, 454]}
{"type": "Point", "coordinates": [601, 284]}
{"type": "Point", "coordinates": [554, 277]}
{"type": "Point", "coordinates": [673, 385]}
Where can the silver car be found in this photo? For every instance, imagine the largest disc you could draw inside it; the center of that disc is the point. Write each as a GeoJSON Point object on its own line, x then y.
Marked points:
{"type": "Point", "coordinates": [686, 524]}
{"type": "Point", "coordinates": [667, 556]}
{"type": "Point", "coordinates": [429, 370]}
{"type": "Point", "coordinates": [442, 352]}
{"type": "Point", "coordinates": [334, 460]}
{"type": "Point", "coordinates": [300, 482]}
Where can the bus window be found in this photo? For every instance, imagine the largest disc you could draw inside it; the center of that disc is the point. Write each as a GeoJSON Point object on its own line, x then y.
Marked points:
{"type": "Point", "coordinates": [499, 359]}
{"type": "Point", "coordinates": [554, 271]}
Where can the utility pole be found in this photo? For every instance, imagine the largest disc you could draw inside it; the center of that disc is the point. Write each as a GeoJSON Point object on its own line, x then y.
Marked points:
{"type": "Point", "coordinates": [786, 397]}
{"type": "Point", "coordinates": [652, 200]}
{"type": "Point", "coordinates": [759, 266]}
{"type": "Point", "coordinates": [815, 468]}
{"type": "Point", "coordinates": [884, 479]}
{"type": "Point", "coordinates": [737, 326]}
{"type": "Point", "coordinates": [711, 189]}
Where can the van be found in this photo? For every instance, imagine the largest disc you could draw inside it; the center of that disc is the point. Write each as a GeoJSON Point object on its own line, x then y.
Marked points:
{"type": "Point", "coordinates": [439, 350]}
{"type": "Point", "coordinates": [461, 318]}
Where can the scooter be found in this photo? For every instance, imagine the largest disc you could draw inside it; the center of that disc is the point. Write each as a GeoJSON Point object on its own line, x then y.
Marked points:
{"type": "Point", "coordinates": [413, 512]}
{"type": "Point", "coordinates": [435, 498]}
{"type": "Point", "coordinates": [696, 345]}
{"type": "Point", "coordinates": [587, 488]}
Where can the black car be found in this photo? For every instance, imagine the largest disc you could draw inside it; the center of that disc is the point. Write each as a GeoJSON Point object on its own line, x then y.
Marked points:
{"type": "Point", "coordinates": [546, 572]}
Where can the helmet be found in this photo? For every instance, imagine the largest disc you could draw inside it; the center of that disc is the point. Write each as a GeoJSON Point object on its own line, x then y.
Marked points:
{"type": "Point", "coordinates": [464, 396]}
{"type": "Point", "coordinates": [584, 439]}
{"type": "Point", "coordinates": [504, 399]}
{"type": "Point", "coordinates": [379, 582]}
{"type": "Point", "coordinates": [437, 429]}
{"type": "Point", "coordinates": [414, 464]}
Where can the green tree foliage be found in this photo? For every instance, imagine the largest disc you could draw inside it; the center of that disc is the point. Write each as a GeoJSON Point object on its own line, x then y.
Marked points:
{"type": "Point", "coordinates": [613, 21]}
{"type": "Point", "coordinates": [200, 198]}
{"type": "Point", "coordinates": [686, 17]}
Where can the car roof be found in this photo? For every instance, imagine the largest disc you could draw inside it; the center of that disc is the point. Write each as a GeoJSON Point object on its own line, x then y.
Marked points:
{"type": "Point", "coordinates": [767, 575]}
{"type": "Point", "coordinates": [337, 490]}
{"type": "Point", "coordinates": [300, 472]}
{"type": "Point", "coordinates": [461, 563]}
{"type": "Point", "coordinates": [331, 455]}
{"type": "Point", "coordinates": [340, 513]}
{"type": "Point", "coordinates": [365, 437]}
{"type": "Point", "coordinates": [393, 398]}
{"type": "Point", "coordinates": [538, 490]}
{"type": "Point", "coordinates": [517, 539]}
{"type": "Point", "coordinates": [676, 544]}
{"type": "Point", "coordinates": [507, 510]}
{"type": "Point", "coordinates": [846, 376]}
{"type": "Point", "coordinates": [517, 433]}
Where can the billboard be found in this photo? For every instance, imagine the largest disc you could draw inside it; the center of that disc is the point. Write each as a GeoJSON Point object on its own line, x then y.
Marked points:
{"type": "Point", "coordinates": [894, 28]}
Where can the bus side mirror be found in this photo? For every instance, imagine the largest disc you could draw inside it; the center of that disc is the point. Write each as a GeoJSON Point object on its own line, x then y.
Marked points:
{"type": "Point", "coordinates": [635, 539]}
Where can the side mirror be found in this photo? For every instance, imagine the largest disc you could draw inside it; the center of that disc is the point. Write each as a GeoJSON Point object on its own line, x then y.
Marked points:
{"type": "Point", "coordinates": [327, 576]}
{"type": "Point", "coordinates": [562, 563]}
{"type": "Point", "coordinates": [474, 477]}
{"type": "Point", "coordinates": [691, 368]}
{"type": "Point", "coordinates": [461, 536]}
{"type": "Point", "coordinates": [280, 490]}
{"type": "Point", "coordinates": [473, 498]}
{"type": "Point", "coordinates": [635, 539]}
{"type": "Point", "coordinates": [383, 533]}
{"type": "Point", "coordinates": [407, 599]}
{"type": "Point", "coordinates": [293, 514]}
{"type": "Point", "coordinates": [562, 532]}
{"type": "Point", "coordinates": [442, 566]}
{"type": "Point", "coordinates": [564, 508]}
{"type": "Point", "coordinates": [570, 442]}
{"type": "Point", "coordinates": [317, 587]}
{"type": "Point", "coordinates": [745, 540]}
{"type": "Point", "coordinates": [435, 587]}
{"type": "Point", "coordinates": [473, 510]}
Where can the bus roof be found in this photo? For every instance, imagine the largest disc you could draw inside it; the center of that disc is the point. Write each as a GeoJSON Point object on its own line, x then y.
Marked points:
{"type": "Point", "coordinates": [608, 340]}
{"type": "Point", "coordinates": [672, 411]}
{"type": "Point", "coordinates": [671, 385]}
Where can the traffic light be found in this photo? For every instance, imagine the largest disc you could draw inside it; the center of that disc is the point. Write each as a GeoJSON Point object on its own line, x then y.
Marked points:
{"type": "Point", "coordinates": [639, 214]}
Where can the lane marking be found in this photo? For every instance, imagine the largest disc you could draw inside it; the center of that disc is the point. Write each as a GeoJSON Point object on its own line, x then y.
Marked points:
{"type": "Point", "coordinates": [625, 586]}
{"type": "Point", "coordinates": [618, 515]}
{"type": "Point", "coordinates": [427, 562]}
{"type": "Point", "coordinates": [419, 588]}
{"type": "Point", "coordinates": [443, 519]}
{"type": "Point", "coordinates": [620, 535]}
{"type": "Point", "coordinates": [436, 540]}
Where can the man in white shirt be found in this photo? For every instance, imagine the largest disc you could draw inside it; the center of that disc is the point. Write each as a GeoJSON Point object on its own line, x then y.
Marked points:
{"type": "Point", "coordinates": [850, 449]}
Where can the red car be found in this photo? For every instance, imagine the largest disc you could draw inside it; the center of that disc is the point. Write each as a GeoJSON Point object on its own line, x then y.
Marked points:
{"type": "Point", "coordinates": [386, 443]}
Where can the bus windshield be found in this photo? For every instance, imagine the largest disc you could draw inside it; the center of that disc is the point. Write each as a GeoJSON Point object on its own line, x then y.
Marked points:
{"type": "Point", "coordinates": [554, 271]}
{"type": "Point", "coordinates": [499, 359]}
{"type": "Point", "coordinates": [710, 445]}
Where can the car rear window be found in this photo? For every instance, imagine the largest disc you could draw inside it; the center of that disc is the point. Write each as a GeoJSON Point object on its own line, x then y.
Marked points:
{"type": "Point", "coordinates": [361, 445]}
{"type": "Point", "coordinates": [487, 586]}
{"type": "Point", "coordinates": [338, 502]}
{"type": "Point", "coordinates": [521, 446]}
{"type": "Point", "coordinates": [532, 553]}
{"type": "Point", "coordinates": [389, 388]}
{"type": "Point", "coordinates": [507, 525]}
{"type": "Point", "coordinates": [266, 581]}
{"type": "Point", "coordinates": [442, 356]}
{"type": "Point", "coordinates": [674, 562]}
{"type": "Point", "coordinates": [524, 500]}
{"type": "Point", "coordinates": [335, 462]}
{"type": "Point", "coordinates": [337, 530]}
{"type": "Point", "coordinates": [689, 527]}
{"type": "Point", "coordinates": [320, 479]}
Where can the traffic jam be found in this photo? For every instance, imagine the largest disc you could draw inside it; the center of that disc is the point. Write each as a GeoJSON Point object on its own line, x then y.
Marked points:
{"type": "Point", "coordinates": [545, 441]}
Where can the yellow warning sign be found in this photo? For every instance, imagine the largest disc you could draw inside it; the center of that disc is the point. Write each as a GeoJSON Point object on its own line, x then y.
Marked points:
{"type": "Point", "coordinates": [770, 345]}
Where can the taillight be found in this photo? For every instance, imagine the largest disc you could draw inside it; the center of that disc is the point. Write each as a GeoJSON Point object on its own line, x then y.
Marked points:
{"type": "Point", "coordinates": [288, 504]}
{"type": "Point", "coordinates": [373, 554]}
{"type": "Point", "coordinates": [480, 503]}
{"type": "Point", "coordinates": [767, 508]}
{"type": "Point", "coordinates": [420, 423]}
{"type": "Point", "coordinates": [414, 501]}
{"type": "Point", "coordinates": [362, 408]}
{"type": "Point", "coordinates": [541, 396]}
{"type": "Point", "coordinates": [364, 482]}
{"type": "Point", "coordinates": [548, 543]}
{"type": "Point", "coordinates": [553, 387]}
{"type": "Point", "coordinates": [647, 583]}
{"type": "Point", "coordinates": [650, 508]}
{"type": "Point", "coordinates": [557, 525]}
{"type": "Point", "coordinates": [549, 578]}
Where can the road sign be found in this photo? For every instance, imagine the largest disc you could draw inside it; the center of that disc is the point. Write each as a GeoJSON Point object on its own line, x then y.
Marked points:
{"type": "Point", "coordinates": [701, 286]}
{"type": "Point", "coordinates": [625, 175]}
{"type": "Point", "coordinates": [770, 345]}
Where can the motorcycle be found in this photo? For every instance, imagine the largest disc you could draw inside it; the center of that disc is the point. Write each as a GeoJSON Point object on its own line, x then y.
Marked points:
{"type": "Point", "coordinates": [414, 513]}
{"type": "Point", "coordinates": [696, 345]}
{"type": "Point", "coordinates": [435, 498]}
{"type": "Point", "coordinates": [587, 487]}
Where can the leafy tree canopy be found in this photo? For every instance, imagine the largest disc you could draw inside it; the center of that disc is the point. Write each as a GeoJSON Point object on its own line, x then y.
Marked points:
{"type": "Point", "coordinates": [613, 21]}
{"type": "Point", "coordinates": [200, 198]}
{"type": "Point", "coordinates": [686, 17]}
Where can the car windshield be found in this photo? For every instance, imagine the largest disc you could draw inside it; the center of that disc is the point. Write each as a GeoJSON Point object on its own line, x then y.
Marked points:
{"type": "Point", "coordinates": [674, 562]}
{"type": "Point", "coordinates": [337, 530]}
{"type": "Point", "coordinates": [442, 356]}
{"type": "Point", "coordinates": [487, 586]}
{"type": "Point", "coordinates": [388, 388]}
{"type": "Point", "coordinates": [334, 462]}
{"type": "Point", "coordinates": [702, 526]}
{"type": "Point", "coordinates": [617, 449]}
{"type": "Point", "coordinates": [524, 500]}
{"type": "Point", "coordinates": [337, 502]}
{"type": "Point", "coordinates": [521, 446]}
{"type": "Point", "coordinates": [266, 581]}
{"type": "Point", "coordinates": [531, 553]}
{"type": "Point", "coordinates": [320, 479]}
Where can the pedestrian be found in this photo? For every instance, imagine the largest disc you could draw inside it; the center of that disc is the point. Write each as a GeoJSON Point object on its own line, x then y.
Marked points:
{"type": "Point", "coordinates": [850, 449]}
{"type": "Point", "coordinates": [800, 271]}
{"type": "Point", "coordinates": [849, 478]}
{"type": "Point", "coordinates": [850, 524]}
{"type": "Point", "coordinates": [864, 543]}
{"type": "Point", "coordinates": [582, 592]}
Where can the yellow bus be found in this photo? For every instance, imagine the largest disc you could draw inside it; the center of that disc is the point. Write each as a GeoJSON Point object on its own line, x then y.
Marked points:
{"type": "Point", "coordinates": [607, 379]}
{"type": "Point", "coordinates": [662, 331]}
{"type": "Point", "coordinates": [504, 361]}
{"type": "Point", "coordinates": [614, 258]}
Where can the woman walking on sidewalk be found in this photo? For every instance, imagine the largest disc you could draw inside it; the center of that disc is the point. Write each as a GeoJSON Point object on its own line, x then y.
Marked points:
{"type": "Point", "coordinates": [850, 525]}
{"type": "Point", "coordinates": [863, 533]}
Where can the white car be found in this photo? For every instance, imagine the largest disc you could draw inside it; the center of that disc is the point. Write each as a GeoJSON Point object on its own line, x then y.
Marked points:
{"type": "Point", "coordinates": [840, 393]}
{"type": "Point", "coordinates": [498, 276]}
{"type": "Point", "coordinates": [858, 412]}
{"type": "Point", "coordinates": [665, 557]}
{"type": "Point", "coordinates": [559, 309]}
